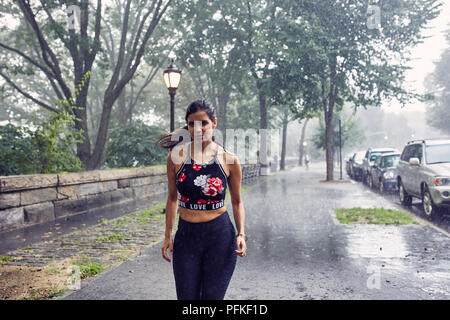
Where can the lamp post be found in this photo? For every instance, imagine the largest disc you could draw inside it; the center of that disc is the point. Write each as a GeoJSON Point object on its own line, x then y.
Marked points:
{"type": "Point", "coordinates": [172, 77]}
{"type": "Point", "coordinates": [340, 150]}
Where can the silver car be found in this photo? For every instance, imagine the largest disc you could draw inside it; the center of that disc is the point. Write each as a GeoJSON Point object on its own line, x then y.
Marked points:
{"type": "Point", "coordinates": [424, 172]}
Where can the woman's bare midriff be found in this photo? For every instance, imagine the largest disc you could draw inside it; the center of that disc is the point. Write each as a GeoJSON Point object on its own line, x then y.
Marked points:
{"type": "Point", "coordinates": [197, 216]}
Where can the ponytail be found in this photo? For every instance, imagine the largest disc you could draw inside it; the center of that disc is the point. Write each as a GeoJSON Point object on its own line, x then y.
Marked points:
{"type": "Point", "coordinates": [167, 140]}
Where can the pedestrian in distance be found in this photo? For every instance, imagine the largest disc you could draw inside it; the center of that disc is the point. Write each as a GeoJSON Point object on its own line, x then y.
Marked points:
{"type": "Point", "coordinates": [307, 160]}
{"type": "Point", "coordinates": [206, 245]}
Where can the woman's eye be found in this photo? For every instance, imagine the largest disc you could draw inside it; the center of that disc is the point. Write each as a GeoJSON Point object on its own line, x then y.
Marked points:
{"type": "Point", "coordinates": [204, 123]}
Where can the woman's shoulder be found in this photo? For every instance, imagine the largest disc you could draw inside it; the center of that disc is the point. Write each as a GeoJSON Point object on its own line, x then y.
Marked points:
{"type": "Point", "coordinates": [228, 157]}
{"type": "Point", "coordinates": [178, 153]}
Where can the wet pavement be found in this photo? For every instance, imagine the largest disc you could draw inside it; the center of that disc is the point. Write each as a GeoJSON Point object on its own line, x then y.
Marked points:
{"type": "Point", "coordinates": [34, 235]}
{"type": "Point", "coordinates": [298, 250]}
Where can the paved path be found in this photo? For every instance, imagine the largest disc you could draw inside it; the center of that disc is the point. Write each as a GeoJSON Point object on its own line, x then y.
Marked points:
{"type": "Point", "coordinates": [297, 250]}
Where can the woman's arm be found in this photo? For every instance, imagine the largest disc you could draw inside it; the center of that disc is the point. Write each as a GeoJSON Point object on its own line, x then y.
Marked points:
{"type": "Point", "coordinates": [171, 207]}
{"type": "Point", "coordinates": [234, 184]}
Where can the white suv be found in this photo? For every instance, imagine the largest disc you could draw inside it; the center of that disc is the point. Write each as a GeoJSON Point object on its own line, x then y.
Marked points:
{"type": "Point", "coordinates": [424, 172]}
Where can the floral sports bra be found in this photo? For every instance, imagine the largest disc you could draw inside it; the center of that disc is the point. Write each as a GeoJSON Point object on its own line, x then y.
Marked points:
{"type": "Point", "coordinates": [201, 186]}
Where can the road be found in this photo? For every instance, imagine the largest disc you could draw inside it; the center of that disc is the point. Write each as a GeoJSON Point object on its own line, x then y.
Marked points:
{"type": "Point", "coordinates": [442, 221]}
{"type": "Point", "coordinates": [298, 250]}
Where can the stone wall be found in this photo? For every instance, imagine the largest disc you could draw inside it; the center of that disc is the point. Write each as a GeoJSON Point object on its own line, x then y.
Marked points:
{"type": "Point", "coordinates": [31, 199]}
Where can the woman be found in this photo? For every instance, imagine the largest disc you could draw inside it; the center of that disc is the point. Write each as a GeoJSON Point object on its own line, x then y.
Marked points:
{"type": "Point", "coordinates": [205, 246]}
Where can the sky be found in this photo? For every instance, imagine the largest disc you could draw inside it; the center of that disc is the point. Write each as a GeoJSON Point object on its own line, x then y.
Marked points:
{"type": "Point", "coordinates": [423, 58]}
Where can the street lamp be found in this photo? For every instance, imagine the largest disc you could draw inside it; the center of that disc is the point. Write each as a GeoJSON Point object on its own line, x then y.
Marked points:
{"type": "Point", "coordinates": [172, 77]}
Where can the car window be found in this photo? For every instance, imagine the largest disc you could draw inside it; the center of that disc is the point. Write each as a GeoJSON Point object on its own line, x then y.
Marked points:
{"type": "Point", "coordinates": [374, 155]}
{"type": "Point", "coordinates": [416, 152]}
{"type": "Point", "coordinates": [390, 161]}
{"type": "Point", "coordinates": [359, 156]}
{"type": "Point", "coordinates": [378, 161]}
{"type": "Point", "coordinates": [407, 153]}
{"type": "Point", "coordinates": [438, 153]}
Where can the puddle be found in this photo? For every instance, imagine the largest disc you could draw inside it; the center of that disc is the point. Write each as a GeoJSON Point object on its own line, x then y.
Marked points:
{"type": "Point", "coordinates": [436, 281]}
{"type": "Point", "coordinates": [369, 241]}
{"type": "Point", "coordinates": [437, 285]}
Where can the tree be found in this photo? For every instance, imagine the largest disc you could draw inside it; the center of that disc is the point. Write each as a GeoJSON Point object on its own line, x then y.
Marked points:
{"type": "Point", "coordinates": [212, 51]}
{"type": "Point", "coordinates": [350, 60]}
{"type": "Point", "coordinates": [258, 31]}
{"type": "Point", "coordinates": [46, 149]}
{"type": "Point", "coordinates": [51, 42]}
{"type": "Point", "coordinates": [352, 133]}
{"type": "Point", "coordinates": [438, 112]}
{"type": "Point", "coordinates": [138, 139]}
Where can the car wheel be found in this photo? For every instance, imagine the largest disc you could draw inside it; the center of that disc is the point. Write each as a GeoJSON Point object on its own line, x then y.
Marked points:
{"type": "Point", "coordinates": [429, 208]}
{"type": "Point", "coordinates": [381, 187]}
{"type": "Point", "coordinates": [405, 198]}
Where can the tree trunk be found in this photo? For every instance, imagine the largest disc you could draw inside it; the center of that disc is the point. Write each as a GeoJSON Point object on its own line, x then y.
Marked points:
{"type": "Point", "coordinates": [283, 142]}
{"type": "Point", "coordinates": [329, 146]}
{"type": "Point", "coordinates": [83, 148]}
{"type": "Point", "coordinates": [121, 108]}
{"type": "Point", "coordinates": [283, 147]}
{"type": "Point", "coordinates": [302, 140]}
{"type": "Point", "coordinates": [328, 105]}
{"type": "Point", "coordinates": [262, 126]}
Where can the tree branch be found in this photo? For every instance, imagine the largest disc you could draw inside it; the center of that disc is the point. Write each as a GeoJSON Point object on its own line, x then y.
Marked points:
{"type": "Point", "coordinates": [28, 96]}
{"type": "Point", "coordinates": [138, 34]}
{"type": "Point", "coordinates": [46, 51]}
{"type": "Point", "coordinates": [120, 58]}
{"type": "Point", "coordinates": [28, 58]}
{"type": "Point", "coordinates": [250, 43]}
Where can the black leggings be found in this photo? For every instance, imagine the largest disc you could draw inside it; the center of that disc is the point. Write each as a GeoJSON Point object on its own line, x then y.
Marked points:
{"type": "Point", "coordinates": [204, 258]}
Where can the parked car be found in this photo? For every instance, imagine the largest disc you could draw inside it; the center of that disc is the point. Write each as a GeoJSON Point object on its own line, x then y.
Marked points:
{"type": "Point", "coordinates": [369, 159]}
{"type": "Point", "coordinates": [356, 165]}
{"type": "Point", "coordinates": [423, 172]}
{"type": "Point", "coordinates": [383, 174]}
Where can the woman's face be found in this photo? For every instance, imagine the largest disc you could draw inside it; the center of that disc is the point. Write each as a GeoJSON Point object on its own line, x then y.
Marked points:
{"type": "Point", "coordinates": [200, 125]}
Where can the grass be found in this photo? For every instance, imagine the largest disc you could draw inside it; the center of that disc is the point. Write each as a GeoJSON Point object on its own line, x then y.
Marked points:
{"type": "Point", "coordinates": [122, 220]}
{"type": "Point", "coordinates": [373, 216]}
{"type": "Point", "coordinates": [145, 216]}
{"type": "Point", "coordinates": [46, 293]}
{"type": "Point", "coordinates": [111, 238]}
{"type": "Point", "coordinates": [88, 267]}
{"type": "Point", "coordinates": [4, 259]}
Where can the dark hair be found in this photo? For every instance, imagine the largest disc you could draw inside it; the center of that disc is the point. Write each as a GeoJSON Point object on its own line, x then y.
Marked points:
{"type": "Point", "coordinates": [165, 140]}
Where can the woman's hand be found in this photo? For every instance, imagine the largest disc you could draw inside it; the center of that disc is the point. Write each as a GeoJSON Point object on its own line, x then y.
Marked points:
{"type": "Point", "coordinates": [168, 244]}
{"type": "Point", "coordinates": [240, 243]}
